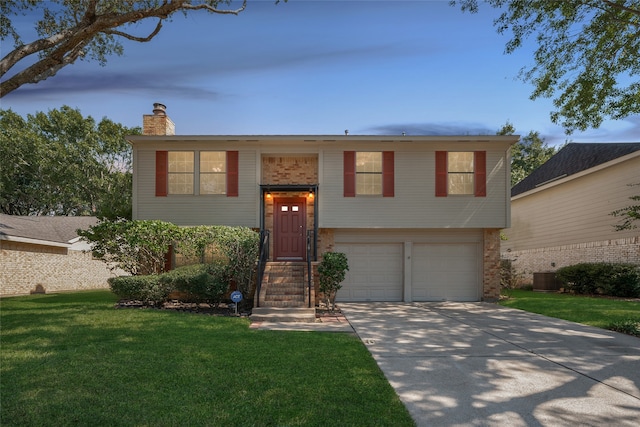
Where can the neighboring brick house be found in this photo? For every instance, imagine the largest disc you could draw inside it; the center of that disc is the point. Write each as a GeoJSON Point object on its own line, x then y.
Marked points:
{"type": "Point", "coordinates": [45, 254]}
{"type": "Point", "coordinates": [419, 217]}
{"type": "Point", "coordinates": [561, 213]}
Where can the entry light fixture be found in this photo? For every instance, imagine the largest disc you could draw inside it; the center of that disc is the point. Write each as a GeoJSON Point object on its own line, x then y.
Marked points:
{"type": "Point", "coordinates": [310, 195]}
{"type": "Point", "coordinates": [268, 194]}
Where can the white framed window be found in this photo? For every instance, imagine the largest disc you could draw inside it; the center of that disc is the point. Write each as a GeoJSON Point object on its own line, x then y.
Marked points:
{"type": "Point", "coordinates": [369, 173]}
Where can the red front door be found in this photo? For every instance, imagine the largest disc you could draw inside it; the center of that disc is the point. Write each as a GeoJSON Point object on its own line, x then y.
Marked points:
{"type": "Point", "coordinates": [289, 228]}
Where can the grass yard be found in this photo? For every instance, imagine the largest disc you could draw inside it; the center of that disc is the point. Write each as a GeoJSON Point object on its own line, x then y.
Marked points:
{"type": "Point", "coordinates": [615, 314]}
{"type": "Point", "coordinates": [73, 359]}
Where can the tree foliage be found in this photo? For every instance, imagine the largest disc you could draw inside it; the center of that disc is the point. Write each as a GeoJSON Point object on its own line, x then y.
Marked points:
{"type": "Point", "coordinates": [62, 163]}
{"type": "Point", "coordinates": [587, 57]}
{"type": "Point", "coordinates": [69, 30]}
{"type": "Point", "coordinates": [529, 153]}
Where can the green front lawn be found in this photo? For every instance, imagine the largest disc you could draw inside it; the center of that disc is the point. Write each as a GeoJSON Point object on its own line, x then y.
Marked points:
{"type": "Point", "coordinates": [73, 359]}
{"type": "Point", "coordinates": [606, 313]}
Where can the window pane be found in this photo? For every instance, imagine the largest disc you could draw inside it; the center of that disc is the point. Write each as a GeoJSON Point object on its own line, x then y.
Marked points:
{"type": "Point", "coordinates": [460, 183]}
{"type": "Point", "coordinates": [369, 162]}
{"type": "Point", "coordinates": [180, 183]}
{"type": "Point", "coordinates": [213, 166]}
{"type": "Point", "coordinates": [213, 161]}
{"type": "Point", "coordinates": [369, 184]}
{"type": "Point", "coordinates": [460, 162]}
{"type": "Point", "coordinates": [180, 161]}
{"type": "Point", "coordinates": [213, 183]}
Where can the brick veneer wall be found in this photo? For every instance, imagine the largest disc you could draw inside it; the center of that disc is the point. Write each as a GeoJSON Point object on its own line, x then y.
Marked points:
{"type": "Point", "coordinates": [540, 260]}
{"type": "Point", "coordinates": [23, 266]}
{"type": "Point", "coordinates": [297, 169]}
{"type": "Point", "coordinates": [289, 170]}
{"type": "Point", "coordinates": [157, 125]}
{"type": "Point", "coordinates": [491, 265]}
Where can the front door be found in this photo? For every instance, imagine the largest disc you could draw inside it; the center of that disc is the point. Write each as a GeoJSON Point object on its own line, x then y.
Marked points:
{"type": "Point", "coordinates": [289, 221]}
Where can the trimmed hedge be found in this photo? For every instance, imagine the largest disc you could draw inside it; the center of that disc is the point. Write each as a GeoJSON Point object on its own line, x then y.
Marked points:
{"type": "Point", "coordinates": [147, 289]}
{"type": "Point", "coordinates": [614, 279]}
{"type": "Point", "coordinates": [201, 282]}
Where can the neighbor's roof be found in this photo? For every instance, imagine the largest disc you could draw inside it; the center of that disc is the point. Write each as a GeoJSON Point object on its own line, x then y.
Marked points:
{"type": "Point", "coordinates": [572, 159]}
{"type": "Point", "coordinates": [42, 229]}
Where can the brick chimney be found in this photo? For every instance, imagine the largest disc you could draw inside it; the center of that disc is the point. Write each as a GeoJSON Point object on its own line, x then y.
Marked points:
{"type": "Point", "coordinates": [158, 123]}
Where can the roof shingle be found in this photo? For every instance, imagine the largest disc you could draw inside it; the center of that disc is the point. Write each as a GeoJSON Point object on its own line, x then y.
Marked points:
{"type": "Point", "coordinates": [60, 229]}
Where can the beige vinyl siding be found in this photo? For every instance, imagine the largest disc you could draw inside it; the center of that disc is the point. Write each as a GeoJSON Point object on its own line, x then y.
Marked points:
{"type": "Point", "coordinates": [574, 210]}
{"type": "Point", "coordinates": [414, 203]}
{"type": "Point", "coordinates": [215, 209]}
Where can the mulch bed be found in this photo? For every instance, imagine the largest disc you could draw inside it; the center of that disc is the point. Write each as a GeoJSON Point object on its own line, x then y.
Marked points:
{"type": "Point", "coordinates": [222, 309]}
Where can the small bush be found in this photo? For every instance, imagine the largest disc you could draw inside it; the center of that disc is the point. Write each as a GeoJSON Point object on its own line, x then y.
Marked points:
{"type": "Point", "coordinates": [621, 280]}
{"type": "Point", "coordinates": [201, 282]}
{"type": "Point", "coordinates": [332, 271]}
{"type": "Point", "coordinates": [629, 327]}
{"type": "Point", "coordinates": [147, 289]}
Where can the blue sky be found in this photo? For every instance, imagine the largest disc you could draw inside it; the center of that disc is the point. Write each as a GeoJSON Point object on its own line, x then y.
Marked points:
{"type": "Point", "coordinates": [317, 67]}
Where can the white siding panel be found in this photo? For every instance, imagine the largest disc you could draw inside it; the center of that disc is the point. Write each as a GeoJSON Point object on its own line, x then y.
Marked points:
{"type": "Point", "coordinates": [375, 272]}
{"type": "Point", "coordinates": [414, 204]}
{"type": "Point", "coordinates": [200, 209]}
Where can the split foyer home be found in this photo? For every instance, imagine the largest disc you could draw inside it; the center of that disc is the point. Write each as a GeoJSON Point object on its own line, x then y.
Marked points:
{"type": "Point", "coordinates": [561, 212]}
{"type": "Point", "coordinates": [419, 217]}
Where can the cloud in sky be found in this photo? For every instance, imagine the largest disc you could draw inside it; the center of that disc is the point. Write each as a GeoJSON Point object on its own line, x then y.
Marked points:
{"type": "Point", "coordinates": [438, 129]}
{"type": "Point", "coordinates": [106, 82]}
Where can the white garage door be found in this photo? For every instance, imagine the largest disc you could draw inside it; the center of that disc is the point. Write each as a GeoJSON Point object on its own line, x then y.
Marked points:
{"type": "Point", "coordinates": [445, 272]}
{"type": "Point", "coordinates": [375, 272]}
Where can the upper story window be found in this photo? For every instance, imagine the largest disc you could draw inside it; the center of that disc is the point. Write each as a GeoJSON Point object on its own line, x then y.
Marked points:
{"type": "Point", "coordinates": [181, 172]}
{"type": "Point", "coordinates": [461, 173]}
{"type": "Point", "coordinates": [213, 172]}
{"type": "Point", "coordinates": [460, 170]}
{"type": "Point", "coordinates": [368, 173]}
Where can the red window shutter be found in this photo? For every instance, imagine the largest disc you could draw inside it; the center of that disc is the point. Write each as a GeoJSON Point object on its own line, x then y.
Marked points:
{"type": "Point", "coordinates": [480, 173]}
{"type": "Point", "coordinates": [441, 174]}
{"type": "Point", "coordinates": [388, 174]}
{"type": "Point", "coordinates": [349, 174]}
{"type": "Point", "coordinates": [162, 172]}
{"type": "Point", "coordinates": [232, 174]}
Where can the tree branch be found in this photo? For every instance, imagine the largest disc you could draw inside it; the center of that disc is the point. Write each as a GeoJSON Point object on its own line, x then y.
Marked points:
{"type": "Point", "coordinates": [69, 44]}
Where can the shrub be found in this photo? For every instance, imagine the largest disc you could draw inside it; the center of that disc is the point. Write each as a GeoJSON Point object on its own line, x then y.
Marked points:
{"type": "Point", "coordinates": [202, 282]}
{"type": "Point", "coordinates": [629, 327]}
{"type": "Point", "coordinates": [332, 271]}
{"type": "Point", "coordinates": [137, 247]}
{"type": "Point", "coordinates": [148, 289]}
{"type": "Point", "coordinates": [621, 280]}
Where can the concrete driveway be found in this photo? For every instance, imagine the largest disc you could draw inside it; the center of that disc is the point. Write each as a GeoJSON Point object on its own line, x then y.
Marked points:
{"type": "Point", "coordinates": [479, 364]}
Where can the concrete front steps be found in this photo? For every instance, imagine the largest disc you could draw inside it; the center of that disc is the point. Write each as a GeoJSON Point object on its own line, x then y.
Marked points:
{"type": "Point", "coordinates": [284, 294]}
{"type": "Point", "coordinates": [283, 314]}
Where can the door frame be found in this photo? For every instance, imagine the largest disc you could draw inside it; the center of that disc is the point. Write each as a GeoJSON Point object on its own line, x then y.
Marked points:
{"type": "Point", "coordinates": [265, 195]}
{"type": "Point", "coordinates": [277, 203]}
